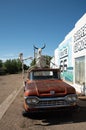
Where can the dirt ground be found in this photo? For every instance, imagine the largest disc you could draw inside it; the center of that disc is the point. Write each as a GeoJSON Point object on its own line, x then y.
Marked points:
{"type": "Point", "coordinates": [8, 84]}
{"type": "Point", "coordinates": [13, 119]}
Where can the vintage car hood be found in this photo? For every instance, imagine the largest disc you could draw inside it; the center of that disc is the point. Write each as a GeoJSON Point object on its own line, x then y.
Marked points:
{"type": "Point", "coordinates": [49, 88]}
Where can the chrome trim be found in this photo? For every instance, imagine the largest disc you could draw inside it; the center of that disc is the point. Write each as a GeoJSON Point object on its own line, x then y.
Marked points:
{"type": "Point", "coordinates": [52, 102]}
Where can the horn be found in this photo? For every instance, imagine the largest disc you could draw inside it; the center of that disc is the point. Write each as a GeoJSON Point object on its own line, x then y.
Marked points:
{"type": "Point", "coordinates": [43, 46]}
{"type": "Point", "coordinates": [35, 47]}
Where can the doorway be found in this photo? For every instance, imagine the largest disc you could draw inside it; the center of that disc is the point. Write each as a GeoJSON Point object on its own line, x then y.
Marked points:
{"type": "Point", "coordinates": [80, 73]}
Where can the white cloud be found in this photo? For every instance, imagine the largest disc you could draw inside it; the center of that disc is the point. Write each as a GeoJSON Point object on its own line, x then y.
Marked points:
{"type": "Point", "coordinates": [8, 56]}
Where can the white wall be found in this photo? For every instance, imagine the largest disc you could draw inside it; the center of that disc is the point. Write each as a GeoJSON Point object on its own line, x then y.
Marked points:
{"type": "Point", "coordinates": [77, 34]}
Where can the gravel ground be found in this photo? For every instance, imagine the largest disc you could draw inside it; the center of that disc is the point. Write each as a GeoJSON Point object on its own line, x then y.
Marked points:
{"type": "Point", "coordinates": [8, 84]}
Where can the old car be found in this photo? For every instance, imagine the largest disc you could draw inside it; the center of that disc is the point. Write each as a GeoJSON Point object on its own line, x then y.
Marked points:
{"type": "Point", "coordinates": [45, 91]}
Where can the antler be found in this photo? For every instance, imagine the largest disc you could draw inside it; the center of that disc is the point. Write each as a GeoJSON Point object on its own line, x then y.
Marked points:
{"type": "Point", "coordinates": [35, 47]}
{"type": "Point", "coordinates": [43, 46]}
{"type": "Point", "coordinates": [38, 48]}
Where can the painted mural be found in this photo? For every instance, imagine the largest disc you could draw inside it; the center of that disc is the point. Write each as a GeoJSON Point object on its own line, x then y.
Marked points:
{"type": "Point", "coordinates": [65, 60]}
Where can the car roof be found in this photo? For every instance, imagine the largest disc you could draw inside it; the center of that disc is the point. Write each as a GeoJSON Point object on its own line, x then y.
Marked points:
{"type": "Point", "coordinates": [43, 69]}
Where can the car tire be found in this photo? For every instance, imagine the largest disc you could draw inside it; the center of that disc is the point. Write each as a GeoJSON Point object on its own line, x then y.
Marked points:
{"type": "Point", "coordinates": [25, 113]}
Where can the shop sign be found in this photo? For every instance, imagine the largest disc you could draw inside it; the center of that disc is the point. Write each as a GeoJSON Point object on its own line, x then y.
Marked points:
{"type": "Point", "coordinates": [80, 39]}
{"type": "Point", "coordinates": [63, 53]}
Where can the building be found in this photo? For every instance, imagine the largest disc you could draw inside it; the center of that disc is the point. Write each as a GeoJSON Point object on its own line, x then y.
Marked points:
{"type": "Point", "coordinates": [70, 56]}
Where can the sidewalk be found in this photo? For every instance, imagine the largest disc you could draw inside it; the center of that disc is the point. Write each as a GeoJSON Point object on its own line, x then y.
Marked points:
{"type": "Point", "coordinates": [82, 97]}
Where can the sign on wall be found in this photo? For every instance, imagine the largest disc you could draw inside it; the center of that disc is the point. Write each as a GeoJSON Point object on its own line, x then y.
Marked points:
{"type": "Point", "coordinates": [64, 52]}
{"type": "Point", "coordinates": [80, 39]}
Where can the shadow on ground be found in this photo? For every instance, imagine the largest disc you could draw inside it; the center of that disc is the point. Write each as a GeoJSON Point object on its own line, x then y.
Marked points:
{"type": "Point", "coordinates": [57, 118]}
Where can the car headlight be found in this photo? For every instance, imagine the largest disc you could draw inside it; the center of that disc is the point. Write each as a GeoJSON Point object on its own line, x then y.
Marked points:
{"type": "Point", "coordinates": [32, 100]}
{"type": "Point", "coordinates": [74, 98]}
{"type": "Point", "coordinates": [71, 98]}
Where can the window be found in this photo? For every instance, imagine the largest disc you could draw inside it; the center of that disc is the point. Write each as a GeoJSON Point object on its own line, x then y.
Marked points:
{"type": "Point", "coordinates": [61, 66]}
{"type": "Point", "coordinates": [65, 65]}
{"type": "Point", "coordinates": [80, 70]}
{"type": "Point", "coordinates": [37, 75]}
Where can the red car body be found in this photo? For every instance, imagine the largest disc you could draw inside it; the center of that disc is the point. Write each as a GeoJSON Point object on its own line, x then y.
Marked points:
{"type": "Point", "coordinates": [44, 91]}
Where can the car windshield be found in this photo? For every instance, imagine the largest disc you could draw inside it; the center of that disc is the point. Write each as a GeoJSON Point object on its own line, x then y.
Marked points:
{"type": "Point", "coordinates": [36, 75]}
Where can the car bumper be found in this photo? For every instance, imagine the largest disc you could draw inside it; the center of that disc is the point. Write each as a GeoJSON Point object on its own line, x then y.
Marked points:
{"type": "Point", "coordinates": [50, 104]}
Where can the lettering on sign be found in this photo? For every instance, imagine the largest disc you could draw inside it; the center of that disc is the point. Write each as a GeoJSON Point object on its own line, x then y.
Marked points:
{"type": "Point", "coordinates": [64, 53]}
{"type": "Point", "coordinates": [80, 39]}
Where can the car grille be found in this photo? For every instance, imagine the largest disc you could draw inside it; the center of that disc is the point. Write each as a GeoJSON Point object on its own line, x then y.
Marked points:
{"type": "Point", "coordinates": [51, 103]}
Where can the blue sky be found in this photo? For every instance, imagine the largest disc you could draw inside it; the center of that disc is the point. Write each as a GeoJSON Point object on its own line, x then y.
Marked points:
{"type": "Point", "coordinates": [24, 23]}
